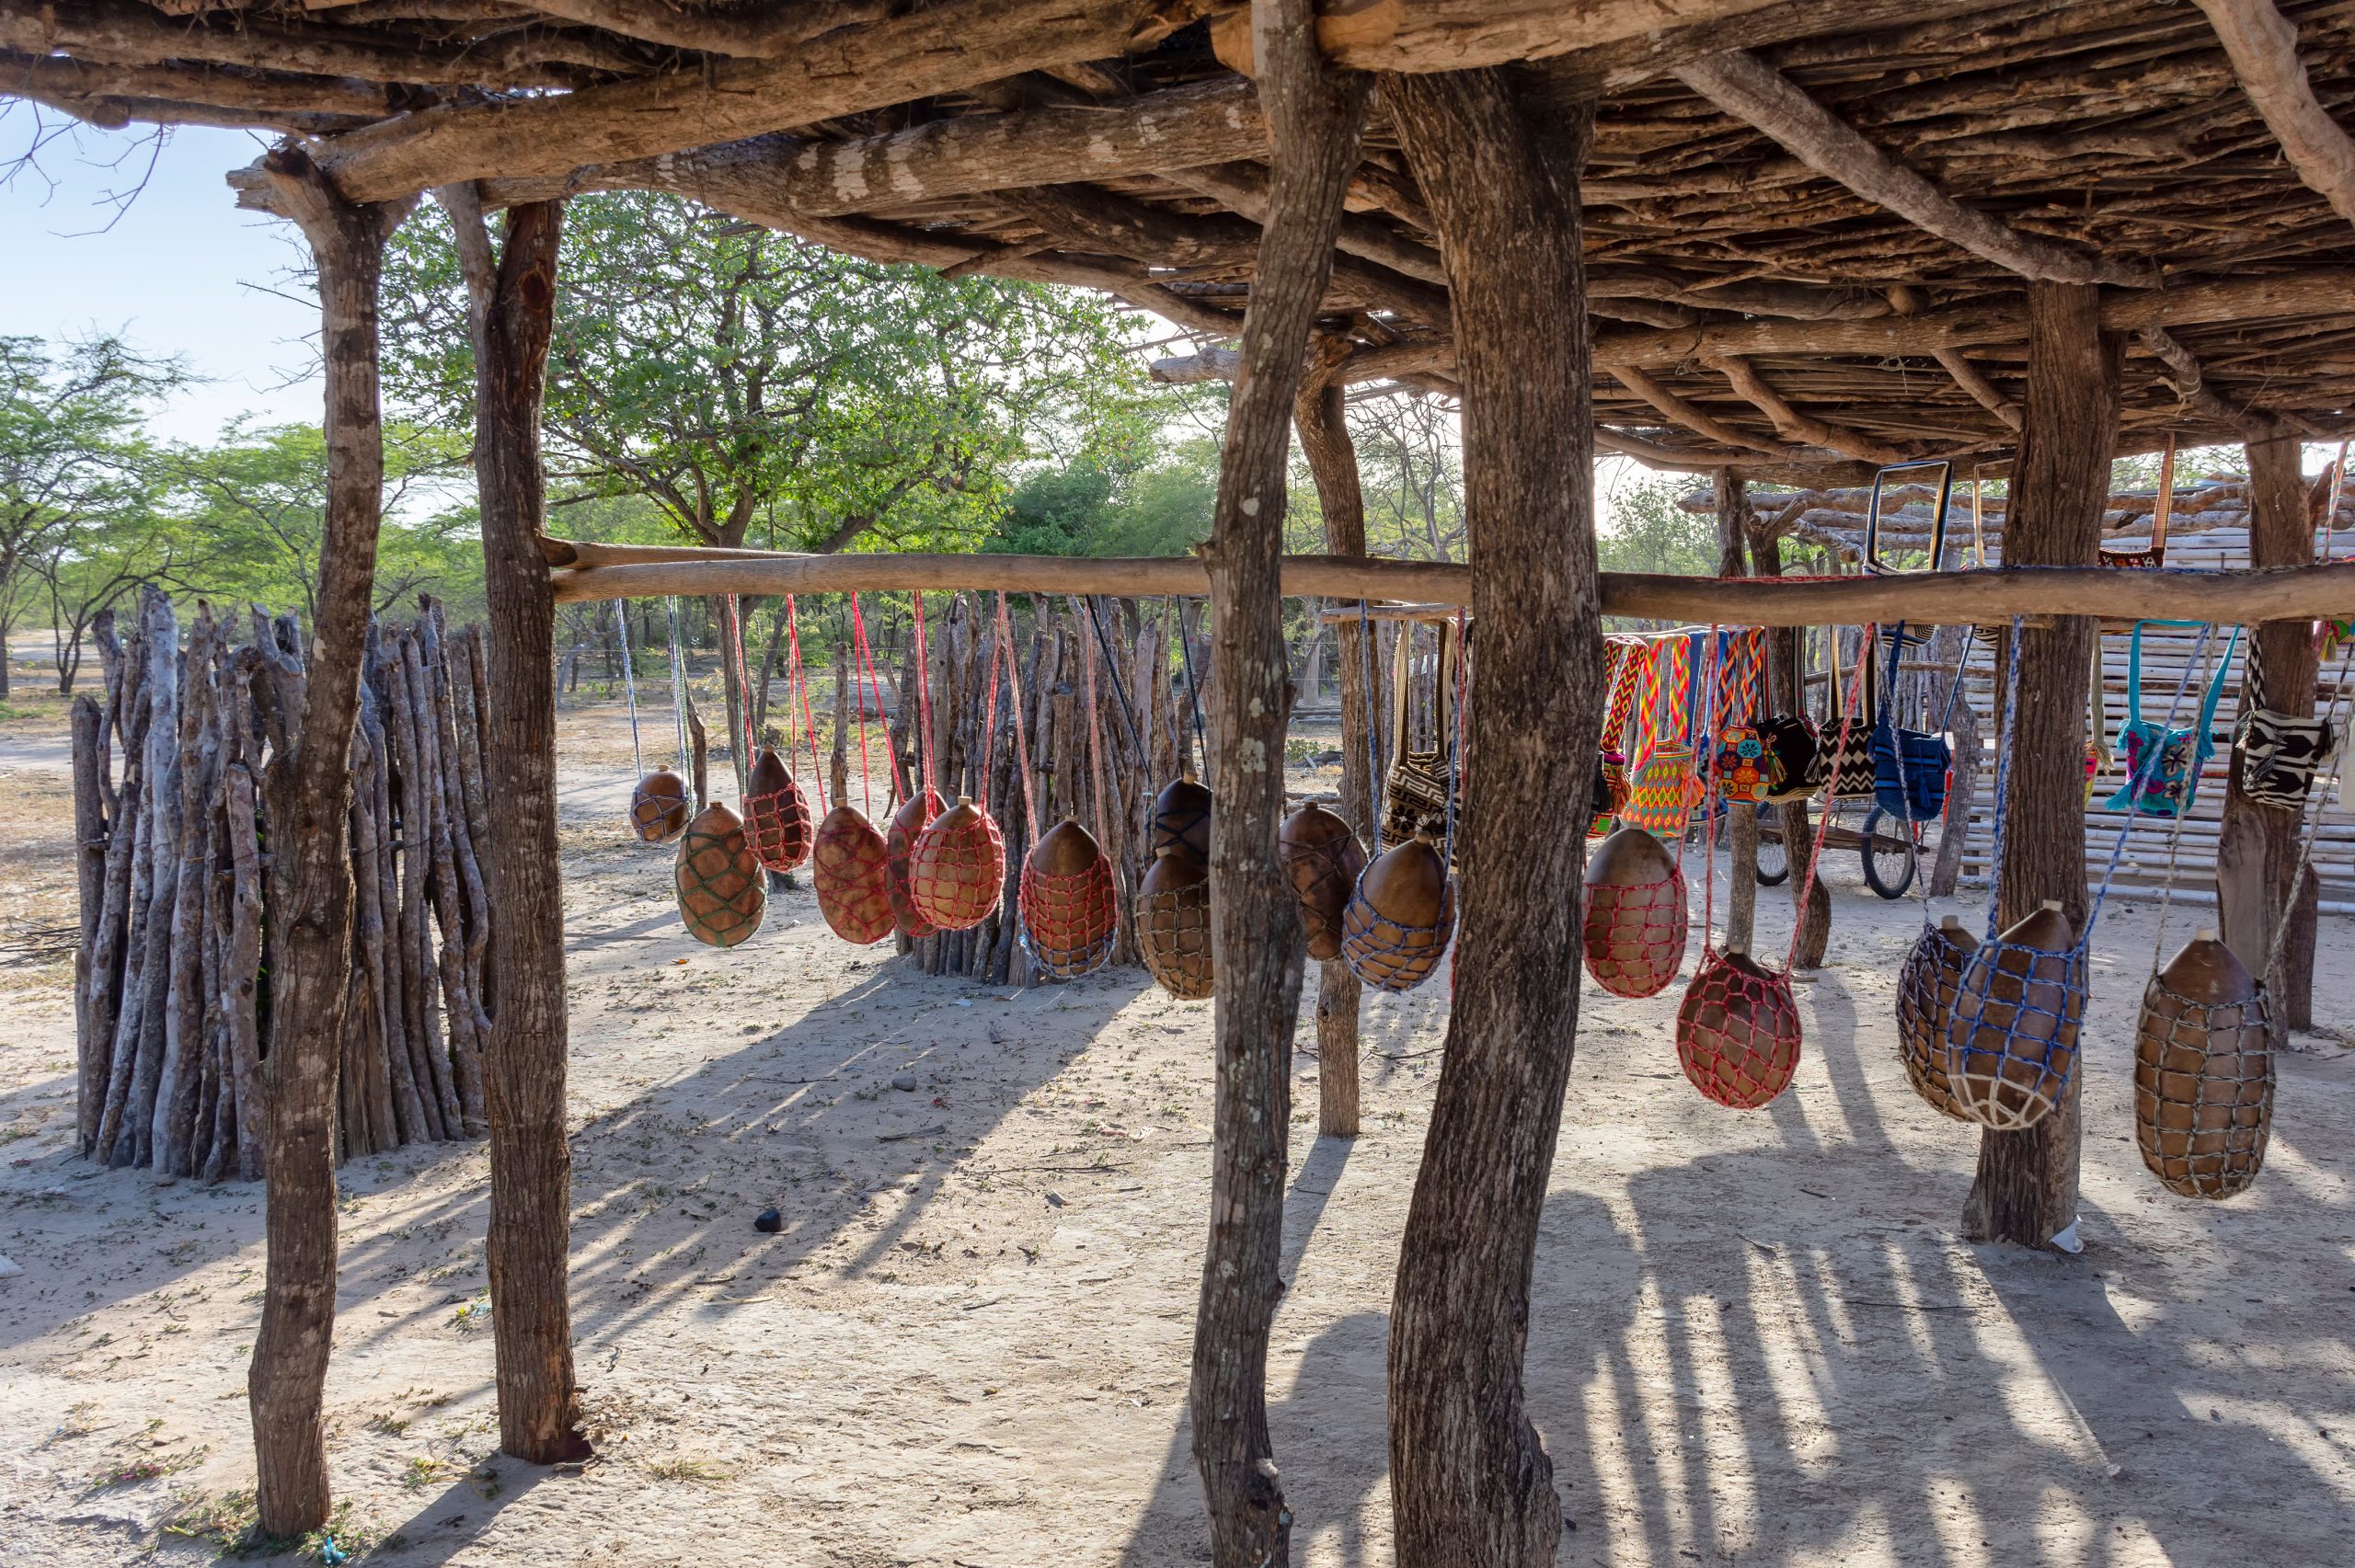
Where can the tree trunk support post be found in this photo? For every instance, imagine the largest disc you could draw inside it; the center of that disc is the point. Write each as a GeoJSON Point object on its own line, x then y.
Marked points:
{"type": "Point", "coordinates": [1470, 1478]}
{"type": "Point", "coordinates": [309, 792]}
{"type": "Point", "coordinates": [1314, 116]}
{"type": "Point", "coordinates": [2025, 1190]}
{"type": "Point", "coordinates": [512, 301]}
{"type": "Point", "coordinates": [1319, 414]}
{"type": "Point", "coordinates": [2257, 847]}
{"type": "Point", "coordinates": [1741, 818]}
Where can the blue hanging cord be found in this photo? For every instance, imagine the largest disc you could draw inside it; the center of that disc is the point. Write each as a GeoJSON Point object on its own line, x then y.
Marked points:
{"type": "Point", "coordinates": [679, 688]}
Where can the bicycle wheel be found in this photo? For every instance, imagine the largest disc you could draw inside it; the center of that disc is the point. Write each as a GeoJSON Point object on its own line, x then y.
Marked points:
{"type": "Point", "coordinates": [1773, 856]}
{"type": "Point", "coordinates": [1888, 852]}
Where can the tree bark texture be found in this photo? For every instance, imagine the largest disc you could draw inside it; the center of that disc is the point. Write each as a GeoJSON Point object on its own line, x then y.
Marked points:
{"type": "Point", "coordinates": [2025, 1190]}
{"type": "Point", "coordinates": [1741, 820]}
{"type": "Point", "coordinates": [1321, 418]}
{"type": "Point", "coordinates": [1470, 1479]}
{"type": "Point", "coordinates": [1315, 116]}
{"type": "Point", "coordinates": [310, 871]}
{"type": "Point", "coordinates": [2257, 846]}
{"type": "Point", "coordinates": [530, 1162]}
{"type": "Point", "coordinates": [1787, 688]}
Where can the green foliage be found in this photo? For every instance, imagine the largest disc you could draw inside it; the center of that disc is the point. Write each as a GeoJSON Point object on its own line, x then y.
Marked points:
{"type": "Point", "coordinates": [755, 388]}
{"type": "Point", "coordinates": [1113, 507]}
{"type": "Point", "coordinates": [1650, 532]}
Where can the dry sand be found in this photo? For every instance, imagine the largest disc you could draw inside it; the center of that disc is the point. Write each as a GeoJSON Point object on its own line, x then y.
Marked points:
{"type": "Point", "coordinates": [1757, 1337]}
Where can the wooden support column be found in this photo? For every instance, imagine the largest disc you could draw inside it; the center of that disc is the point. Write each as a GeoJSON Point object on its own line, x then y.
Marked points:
{"type": "Point", "coordinates": [1315, 117]}
{"type": "Point", "coordinates": [1470, 1479]}
{"type": "Point", "coordinates": [309, 793]}
{"type": "Point", "coordinates": [2026, 1186]}
{"type": "Point", "coordinates": [2257, 848]}
{"type": "Point", "coordinates": [1741, 820]}
{"type": "Point", "coordinates": [1786, 694]}
{"type": "Point", "coordinates": [1318, 415]}
{"type": "Point", "coordinates": [530, 1242]}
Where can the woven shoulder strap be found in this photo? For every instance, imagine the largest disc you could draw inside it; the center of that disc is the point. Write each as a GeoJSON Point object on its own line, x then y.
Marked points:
{"type": "Point", "coordinates": [2216, 686]}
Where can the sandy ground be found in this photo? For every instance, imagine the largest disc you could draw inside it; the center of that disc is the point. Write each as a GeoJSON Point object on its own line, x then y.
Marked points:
{"type": "Point", "coordinates": [1757, 1337]}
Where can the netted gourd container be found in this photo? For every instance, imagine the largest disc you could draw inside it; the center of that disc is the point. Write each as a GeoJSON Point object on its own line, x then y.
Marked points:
{"type": "Point", "coordinates": [1927, 983]}
{"type": "Point", "coordinates": [1070, 911]}
{"type": "Point", "coordinates": [849, 868]}
{"type": "Point", "coordinates": [776, 819]}
{"type": "Point", "coordinates": [2203, 1073]}
{"type": "Point", "coordinates": [957, 868]}
{"type": "Point", "coordinates": [1633, 931]}
{"type": "Point", "coordinates": [2012, 1037]}
{"type": "Point", "coordinates": [659, 807]}
{"type": "Point", "coordinates": [1397, 925]}
{"type": "Point", "coordinates": [723, 894]}
{"type": "Point", "coordinates": [1173, 922]}
{"type": "Point", "coordinates": [899, 843]}
{"type": "Point", "coordinates": [1181, 815]}
{"type": "Point", "coordinates": [1323, 860]}
{"type": "Point", "coordinates": [1738, 1031]}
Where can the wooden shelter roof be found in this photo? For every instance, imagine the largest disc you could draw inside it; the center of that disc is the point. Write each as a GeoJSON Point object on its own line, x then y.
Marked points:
{"type": "Point", "coordinates": [1809, 223]}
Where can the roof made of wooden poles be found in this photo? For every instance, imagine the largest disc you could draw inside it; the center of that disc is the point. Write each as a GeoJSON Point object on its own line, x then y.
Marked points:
{"type": "Point", "coordinates": [1810, 227]}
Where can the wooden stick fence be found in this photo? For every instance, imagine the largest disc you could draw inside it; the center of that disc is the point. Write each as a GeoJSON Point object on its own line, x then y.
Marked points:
{"type": "Point", "coordinates": [172, 1003]}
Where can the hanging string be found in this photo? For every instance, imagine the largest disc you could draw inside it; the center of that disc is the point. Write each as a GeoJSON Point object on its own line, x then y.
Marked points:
{"type": "Point", "coordinates": [1120, 691]}
{"type": "Point", "coordinates": [743, 683]}
{"type": "Point", "coordinates": [2175, 828]}
{"type": "Point", "coordinates": [2139, 779]}
{"type": "Point", "coordinates": [989, 720]}
{"type": "Point", "coordinates": [863, 664]}
{"type": "Point", "coordinates": [924, 705]}
{"type": "Point", "coordinates": [1095, 758]}
{"type": "Point", "coordinates": [679, 686]}
{"type": "Point", "coordinates": [1193, 692]}
{"type": "Point", "coordinates": [1372, 727]}
{"type": "Point", "coordinates": [629, 685]}
{"type": "Point", "coordinates": [1014, 702]}
{"type": "Point", "coordinates": [1815, 850]}
{"type": "Point", "coordinates": [1461, 759]}
{"type": "Point", "coordinates": [798, 681]}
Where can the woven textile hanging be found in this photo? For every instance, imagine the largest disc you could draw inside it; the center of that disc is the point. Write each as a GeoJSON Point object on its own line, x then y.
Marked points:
{"type": "Point", "coordinates": [723, 894]}
{"type": "Point", "coordinates": [2203, 1073]}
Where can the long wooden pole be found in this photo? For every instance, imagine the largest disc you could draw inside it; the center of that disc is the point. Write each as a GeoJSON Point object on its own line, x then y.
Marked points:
{"type": "Point", "coordinates": [1925, 598]}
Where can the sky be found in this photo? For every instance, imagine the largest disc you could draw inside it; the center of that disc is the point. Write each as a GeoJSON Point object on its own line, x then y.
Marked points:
{"type": "Point", "coordinates": [180, 271]}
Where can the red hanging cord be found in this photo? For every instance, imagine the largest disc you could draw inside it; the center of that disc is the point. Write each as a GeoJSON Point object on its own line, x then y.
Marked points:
{"type": "Point", "coordinates": [1013, 702]}
{"type": "Point", "coordinates": [1707, 768]}
{"type": "Point", "coordinates": [924, 705]}
{"type": "Point", "coordinates": [1095, 758]}
{"type": "Point", "coordinates": [1815, 853]}
{"type": "Point", "coordinates": [861, 664]}
{"type": "Point", "coordinates": [797, 683]}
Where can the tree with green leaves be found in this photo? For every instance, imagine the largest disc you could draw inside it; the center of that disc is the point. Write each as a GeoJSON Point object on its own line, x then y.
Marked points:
{"type": "Point", "coordinates": [70, 449]}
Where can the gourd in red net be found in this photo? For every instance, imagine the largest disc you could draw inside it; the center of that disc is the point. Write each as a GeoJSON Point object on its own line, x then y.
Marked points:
{"type": "Point", "coordinates": [2203, 1072]}
{"type": "Point", "coordinates": [1738, 1031]}
{"type": "Point", "coordinates": [1396, 926]}
{"type": "Point", "coordinates": [1070, 912]}
{"type": "Point", "coordinates": [957, 867]}
{"type": "Point", "coordinates": [1323, 860]}
{"type": "Point", "coordinates": [659, 806]}
{"type": "Point", "coordinates": [1927, 983]}
{"type": "Point", "coordinates": [1173, 922]}
{"type": "Point", "coordinates": [898, 845]}
{"type": "Point", "coordinates": [1633, 927]}
{"type": "Point", "coordinates": [776, 819]}
{"type": "Point", "coordinates": [849, 868]}
{"type": "Point", "coordinates": [2012, 1038]}
{"type": "Point", "coordinates": [723, 894]}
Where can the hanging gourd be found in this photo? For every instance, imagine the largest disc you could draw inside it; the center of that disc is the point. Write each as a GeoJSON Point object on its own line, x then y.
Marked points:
{"type": "Point", "coordinates": [849, 867]}
{"type": "Point", "coordinates": [1927, 983]}
{"type": "Point", "coordinates": [899, 846]}
{"type": "Point", "coordinates": [2012, 1037]}
{"type": "Point", "coordinates": [1323, 859]}
{"type": "Point", "coordinates": [2203, 1072]}
{"type": "Point", "coordinates": [1738, 1031]}
{"type": "Point", "coordinates": [1396, 926]}
{"type": "Point", "coordinates": [1173, 922]}
{"type": "Point", "coordinates": [723, 894]}
{"type": "Point", "coordinates": [1181, 815]}
{"type": "Point", "coordinates": [659, 806]}
{"type": "Point", "coordinates": [957, 867]}
{"type": "Point", "coordinates": [1070, 911]}
{"type": "Point", "coordinates": [1634, 928]}
{"type": "Point", "coordinates": [776, 819]}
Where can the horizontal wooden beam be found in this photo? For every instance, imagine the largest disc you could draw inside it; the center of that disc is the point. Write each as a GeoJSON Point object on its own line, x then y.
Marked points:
{"type": "Point", "coordinates": [2262, 44]}
{"type": "Point", "coordinates": [2297, 593]}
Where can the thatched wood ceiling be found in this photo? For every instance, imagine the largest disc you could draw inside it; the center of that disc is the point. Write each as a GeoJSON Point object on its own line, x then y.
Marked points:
{"type": "Point", "coordinates": [1849, 287]}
